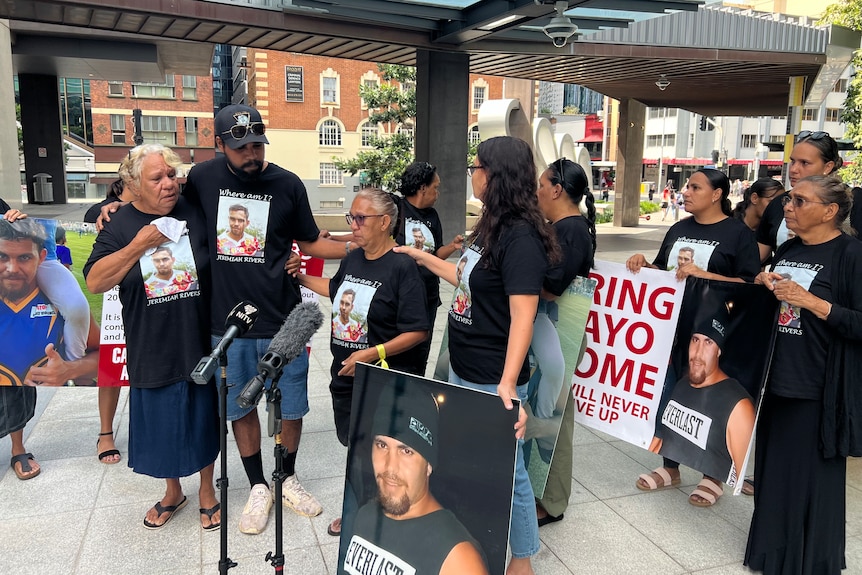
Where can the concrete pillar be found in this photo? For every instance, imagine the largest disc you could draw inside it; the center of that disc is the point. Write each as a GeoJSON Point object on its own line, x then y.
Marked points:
{"type": "Point", "coordinates": [10, 178]}
{"type": "Point", "coordinates": [630, 153]}
{"type": "Point", "coordinates": [442, 101]}
{"type": "Point", "coordinates": [43, 135]}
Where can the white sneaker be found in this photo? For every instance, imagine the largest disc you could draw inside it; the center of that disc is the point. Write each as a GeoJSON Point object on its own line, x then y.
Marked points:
{"type": "Point", "coordinates": [256, 511]}
{"type": "Point", "coordinates": [294, 495]}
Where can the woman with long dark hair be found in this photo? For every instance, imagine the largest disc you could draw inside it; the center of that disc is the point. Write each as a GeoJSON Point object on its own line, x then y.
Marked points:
{"type": "Point", "coordinates": [498, 288]}
{"type": "Point", "coordinates": [755, 200]}
{"type": "Point", "coordinates": [567, 202]}
{"type": "Point", "coordinates": [710, 245]}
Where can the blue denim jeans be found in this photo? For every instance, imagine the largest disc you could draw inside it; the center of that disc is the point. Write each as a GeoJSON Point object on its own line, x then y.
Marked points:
{"type": "Point", "coordinates": [242, 357]}
{"type": "Point", "coordinates": [524, 527]}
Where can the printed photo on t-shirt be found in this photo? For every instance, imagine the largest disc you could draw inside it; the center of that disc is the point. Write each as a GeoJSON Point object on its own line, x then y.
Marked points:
{"type": "Point", "coordinates": [790, 316]}
{"type": "Point", "coordinates": [350, 311]}
{"type": "Point", "coordinates": [462, 301]}
{"type": "Point", "coordinates": [418, 235]}
{"type": "Point", "coordinates": [170, 269]}
{"type": "Point", "coordinates": [242, 226]}
{"type": "Point", "coordinates": [783, 234]}
{"type": "Point", "coordinates": [688, 250]}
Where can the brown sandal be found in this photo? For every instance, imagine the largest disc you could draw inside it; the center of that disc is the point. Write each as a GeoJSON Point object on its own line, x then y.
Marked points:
{"type": "Point", "coordinates": [707, 493]}
{"type": "Point", "coordinates": [657, 480]}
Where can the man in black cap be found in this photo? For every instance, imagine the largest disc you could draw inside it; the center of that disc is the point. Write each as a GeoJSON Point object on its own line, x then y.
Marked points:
{"type": "Point", "coordinates": [708, 422]}
{"type": "Point", "coordinates": [405, 529]}
{"type": "Point", "coordinates": [282, 215]}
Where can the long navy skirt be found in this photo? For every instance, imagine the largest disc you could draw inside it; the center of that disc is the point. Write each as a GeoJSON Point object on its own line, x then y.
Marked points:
{"type": "Point", "coordinates": [173, 430]}
{"type": "Point", "coordinates": [799, 497]}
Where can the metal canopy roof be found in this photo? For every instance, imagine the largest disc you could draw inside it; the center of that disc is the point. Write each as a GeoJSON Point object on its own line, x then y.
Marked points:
{"type": "Point", "coordinates": [623, 47]}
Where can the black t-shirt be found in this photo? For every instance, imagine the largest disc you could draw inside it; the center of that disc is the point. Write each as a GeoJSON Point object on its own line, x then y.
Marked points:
{"type": "Point", "coordinates": [421, 229]}
{"type": "Point", "coordinates": [95, 211]}
{"type": "Point", "coordinates": [802, 341]}
{"type": "Point", "coordinates": [385, 297]}
{"type": "Point", "coordinates": [167, 321]}
{"type": "Point", "coordinates": [772, 231]}
{"type": "Point", "coordinates": [479, 319]}
{"type": "Point", "coordinates": [726, 248]}
{"type": "Point", "coordinates": [4, 207]}
{"type": "Point", "coordinates": [252, 267]}
{"type": "Point", "coordinates": [577, 247]}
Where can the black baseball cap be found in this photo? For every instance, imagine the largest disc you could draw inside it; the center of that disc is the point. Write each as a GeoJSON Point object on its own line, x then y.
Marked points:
{"type": "Point", "coordinates": [238, 125]}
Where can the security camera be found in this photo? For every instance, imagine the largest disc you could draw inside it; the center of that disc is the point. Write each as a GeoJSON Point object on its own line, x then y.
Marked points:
{"type": "Point", "coordinates": [560, 28]}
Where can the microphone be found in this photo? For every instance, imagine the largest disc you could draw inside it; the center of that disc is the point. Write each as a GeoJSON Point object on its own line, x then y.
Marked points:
{"type": "Point", "coordinates": [286, 346]}
{"type": "Point", "coordinates": [239, 321]}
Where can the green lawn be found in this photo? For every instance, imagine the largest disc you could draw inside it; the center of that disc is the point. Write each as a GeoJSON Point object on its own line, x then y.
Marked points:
{"type": "Point", "coordinates": [81, 246]}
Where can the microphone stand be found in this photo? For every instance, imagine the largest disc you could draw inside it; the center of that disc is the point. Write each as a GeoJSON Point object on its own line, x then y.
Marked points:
{"type": "Point", "coordinates": [222, 482]}
{"type": "Point", "coordinates": [273, 399]}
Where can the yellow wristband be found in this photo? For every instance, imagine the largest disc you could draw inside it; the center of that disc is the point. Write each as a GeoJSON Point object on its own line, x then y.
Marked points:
{"type": "Point", "coordinates": [381, 353]}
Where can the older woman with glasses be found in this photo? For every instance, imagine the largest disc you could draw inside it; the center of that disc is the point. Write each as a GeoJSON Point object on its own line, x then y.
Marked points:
{"type": "Point", "coordinates": [378, 305]}
{"type": "Point", "coordinates": [814, 154]}
{"type": "Point", "coordinates": [809, 418]}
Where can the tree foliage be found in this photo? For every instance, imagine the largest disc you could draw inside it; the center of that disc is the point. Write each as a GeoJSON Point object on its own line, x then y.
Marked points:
{"type": "Point", "coordinates": [391, 153]}
{"type": "Point", "coordinates": [383, 164]}
{"type": "Point", "coordinates": [848, 13]}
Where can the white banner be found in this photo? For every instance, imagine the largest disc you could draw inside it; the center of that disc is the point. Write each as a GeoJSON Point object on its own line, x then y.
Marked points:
{"type": "Point", "coordinates": [630, 330]}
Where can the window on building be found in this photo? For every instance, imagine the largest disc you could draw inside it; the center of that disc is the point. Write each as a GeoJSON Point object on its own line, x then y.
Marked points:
{"type": "Point", "coordinates": [473, 136]}
{"type": "Point", "coordinates": [671, 112]}
{"type": "Point", "coordinates": [809, 114]}
{"type": "Point", "coordinates": [118, 129]}
{"type": "Point", "coordinates": [369, 85]}
{"type": "Point", "coordinates": [191, 131]}
{"type": "Point", "coordinates": [330, 90]}
{"type": "Point", "coordinates": [833, 114]}
{"type": "Point", "coordinates": [840, 85]}
{"type": "Point", "coordinates": [367, 133]}
{"type": "Point", "coordinates": [330, 133]}
{"type": "Point", "coordinates": [159, 130]}
{"type": "Point", "coordinates": [748, 141]}
{"type": "Point", "coordinates": [330, 175]}
{"type": "Point", "coordinates": [115, 88]}
{"type": "Point", "coordinates": [479, 95]}
{"type": "Point", "coordinates": [154, 89]}
{"type": "Point", "coordinates": [779, 139]}
{"type": "Point", "coordinates": [691, 140]}
{"type": "Point", "coordinates": [654, 113]}
{"type": "Point", "coordinates": [670, 140]}
{"type": "Point", "coordinates": [190, 88]}
{"type": "Point", "coordinates": [782, 118]}
{"type": "Point", "coordinates": [653, 141]}
{"type": "Point", "coordinates": [406, 129]}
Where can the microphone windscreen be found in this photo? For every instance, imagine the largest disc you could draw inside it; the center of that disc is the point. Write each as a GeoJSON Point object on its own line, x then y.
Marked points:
{"type": "Point", "coordinates": [300, 325]}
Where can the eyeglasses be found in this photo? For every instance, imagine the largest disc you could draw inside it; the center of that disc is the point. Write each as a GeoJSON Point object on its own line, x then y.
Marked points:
{"type": "Point", "coordinates": [809, 135]}
{"type": "Point", "coordinates": [799, 201]}
{"type": "Point", "coordinates": [472, 170]}
{"type": "Point", "coordinates": [240, 131]}
{"type": "Point", "coordinates": [360, 219]}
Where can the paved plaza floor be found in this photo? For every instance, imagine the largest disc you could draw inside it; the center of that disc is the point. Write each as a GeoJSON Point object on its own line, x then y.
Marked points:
{"type": "Point", "coordinates": [84, 518]}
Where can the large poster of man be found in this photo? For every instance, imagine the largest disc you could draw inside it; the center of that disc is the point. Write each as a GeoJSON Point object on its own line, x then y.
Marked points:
{"type": "Point", "coordinates": [719, 364]}
{"type": "Point", "coordinates": [242, 226]}
{"type": "Point", "coordinates": [430, 472]}
{"type": "Point", "coordinates": [546, 403]}
{"type": "Point", "coordinates": [45, 320]}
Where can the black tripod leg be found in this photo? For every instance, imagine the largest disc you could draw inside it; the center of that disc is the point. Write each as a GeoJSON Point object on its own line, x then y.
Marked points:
{"type": "Point", "coordinates": [222, 483]}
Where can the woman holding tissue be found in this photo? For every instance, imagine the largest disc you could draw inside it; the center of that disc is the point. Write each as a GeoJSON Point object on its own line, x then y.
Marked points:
{"type": "Point", "coordinates": [173, 422]}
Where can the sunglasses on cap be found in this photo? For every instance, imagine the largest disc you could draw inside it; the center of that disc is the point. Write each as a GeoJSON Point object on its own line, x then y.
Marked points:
{"type": "Point", "coordinates": [240, 131]}
{"type": "Point", "coordinates": [809, 135]}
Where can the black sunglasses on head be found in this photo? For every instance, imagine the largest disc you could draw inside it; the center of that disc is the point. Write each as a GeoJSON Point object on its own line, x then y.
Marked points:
{"type": "Point", "coordinates": [240, 131]}
{"type": "Point", "coordinates": [809, 135]}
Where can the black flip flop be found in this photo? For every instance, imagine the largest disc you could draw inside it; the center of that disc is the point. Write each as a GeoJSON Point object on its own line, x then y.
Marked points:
{"type": "Point", "coordinates": [209, 513]}
{"type": "Point", "coordinates": [24, 460]}
{"type": "Point", "coordinates": [170, 509]}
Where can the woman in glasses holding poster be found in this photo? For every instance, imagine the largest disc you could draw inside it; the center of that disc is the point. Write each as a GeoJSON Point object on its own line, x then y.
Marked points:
{"type": "Point", "coordinates": [809, 417]}
{"type": "Point", "coordinates": [497, 290]}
